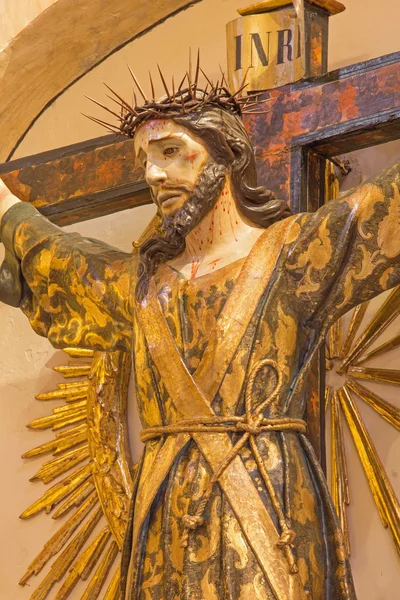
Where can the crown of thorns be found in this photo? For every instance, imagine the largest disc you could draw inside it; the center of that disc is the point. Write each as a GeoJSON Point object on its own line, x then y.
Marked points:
{"type": "Point", "coordinates": [188, 97]}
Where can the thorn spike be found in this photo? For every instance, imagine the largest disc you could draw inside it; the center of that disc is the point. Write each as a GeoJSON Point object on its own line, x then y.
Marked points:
{"type": "Point", "coordinates": [173, 88]}
{"type": "Point", "coordinates": [238, 92]}
{"type": "Point", "coordinates": [246, 104]}
{"type": "Point", "coordinates": [190, 68]}
{"type": "Point", "coordinates": [118, 96]}
{"type": "Point", "coordinates": [108, 126]}
{"type": "Point", "coordinates": [102, 106]}
{"type": "Point", "coordinates": [139, 87]}
{"type": "Point", "coordinates": [196, 80]}
{"type": "Point", "coordinates": [124, 110]}
{"type": "Point", "coordinates": [256, 112]}
{"type": "Point", "coordinates": [164, 83]}
{"type": "Point", "coordinates": [182, 82]}
{"type": "Point", "coordinates": [116, 101]}
{"type": "Point", "coordinates": [98, 121]}
{"type": "Point", "coordinates": [190, 86]}
{"type": "Point", "coordinates": [208, 80]}
{"type": "Point", "coordinates": [152, 88]}
{"type": "Point", "coordinates": [134, 100]}
{"type": "Point", "coordinates": [244, 78]}
{"type": "Point", "coordinates": [223, 76]}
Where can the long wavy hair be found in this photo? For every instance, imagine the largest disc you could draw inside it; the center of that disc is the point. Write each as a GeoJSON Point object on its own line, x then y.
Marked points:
{"type": "Point", "coordinates": [228, 143]}
{"type": "Point", "coordinates": [229, 146]}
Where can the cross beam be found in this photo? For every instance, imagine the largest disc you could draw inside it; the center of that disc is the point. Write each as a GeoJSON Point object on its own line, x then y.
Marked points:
{"type": "Point", "coordinates": [302, 125]}
{"type": "Point", "coordinates": [354, 107]}
{"type": "Point", "coordinates": [79, 182]}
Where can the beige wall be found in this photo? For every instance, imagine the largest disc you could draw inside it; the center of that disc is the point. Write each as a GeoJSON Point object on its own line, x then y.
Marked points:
{"type": "Point", "coordinates": [365, 30]}
{"type": "Point", "coordinates": [17, 14]}
{"type": "Point", "coordinates": [375, 563]}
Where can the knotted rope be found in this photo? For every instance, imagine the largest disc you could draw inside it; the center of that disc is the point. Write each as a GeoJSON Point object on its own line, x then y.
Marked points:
{"type": "Point", "coordinates": [251, 425]}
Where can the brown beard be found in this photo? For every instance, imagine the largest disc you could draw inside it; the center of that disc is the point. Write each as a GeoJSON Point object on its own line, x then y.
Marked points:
{"type": "Point", "coordinates": [175, 228]}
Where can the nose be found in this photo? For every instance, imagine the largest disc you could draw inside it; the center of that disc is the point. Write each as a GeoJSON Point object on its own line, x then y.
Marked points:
{"type": "Point", "coordinates": [155, 175]}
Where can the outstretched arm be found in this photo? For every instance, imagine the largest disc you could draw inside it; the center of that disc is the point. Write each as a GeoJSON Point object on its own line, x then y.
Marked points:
{"type": "Point", "coordinates": [348, 251]}
{"type": "Point", "coordinates": [74, 290]}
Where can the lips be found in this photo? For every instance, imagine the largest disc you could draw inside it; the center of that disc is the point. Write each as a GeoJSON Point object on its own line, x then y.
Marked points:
{"type": "Point", "coordinates": [165, 196]}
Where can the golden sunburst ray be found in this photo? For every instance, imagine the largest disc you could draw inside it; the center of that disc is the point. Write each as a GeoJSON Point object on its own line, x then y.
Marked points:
{"type": "Point", "coordinates": [342, 401]}
{"type": "Point", "coordinates": [105, 564]}
{"type": "Point", "coordinates": [113, 592]}
{"type": "Point", "coordinates": [62, 563]}
{"type": "Point", "coordinates": [79, 352]}
{"type": "Point", "coordinates": [91, 493]}
{"type": "Point", "coordinates": [382, 319]}
{"type": "Point", "coordinates": [75, 499]}
{"type": "Point", "coordinates": [61, 417]}
{"type": "Point", "coordinates": [343, 462]}
{"type": "Point", "coordinates": [73, 370]}
{"type": "Point", "coordinates": [335, 339]}
{"type": "Point", "coordinates": [344, 490]}
{"type": "Point", "coordinates": [334, 458]}
{"type": "Point", "coordinates": [386, 410]}
{"type": "Point", "coordinates": [355, 351]}
{"type": "Point", "coordinates": [84, 564]}
{"type": "Point", "coordinates": [339, 477]}
{"type": "Point", "coordinates": [59, 492]}
{"type": "Point", "coordinates": [381, 488]}
{"type": "Point", "coordinates": [70, 392]}
{"type": "Point", "coordinates": [391, 344]}
{"type": "Point", "coordinates": [378, 375]}
{"type": "Point", "coordinates": [63, 441]}
{"type": "Point", "coordinates": [357, 317]}
{"type": "Point", "coordinates": [51, 469]}
{"type": "Point", "coordinates": [59, 539]}
{"type": "Point", "coordinates": [328, 396]}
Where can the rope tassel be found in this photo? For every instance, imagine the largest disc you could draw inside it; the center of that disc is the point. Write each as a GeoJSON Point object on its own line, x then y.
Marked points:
{"type": "Point", "coordinates": [250, 426]}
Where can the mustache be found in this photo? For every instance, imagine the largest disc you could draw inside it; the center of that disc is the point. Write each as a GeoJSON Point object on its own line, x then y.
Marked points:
{"type": "Point", "coordinates": [171, 243]}
{"type": "Point", "coordinates": [172, 188]}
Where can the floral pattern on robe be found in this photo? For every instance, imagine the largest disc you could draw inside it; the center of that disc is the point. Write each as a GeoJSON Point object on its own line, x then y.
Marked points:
{"type": "Point", "coordinates": [79, 292]}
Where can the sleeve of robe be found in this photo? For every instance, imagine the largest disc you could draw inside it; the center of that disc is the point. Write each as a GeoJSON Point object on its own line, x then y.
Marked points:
{"type": "Point", "coordinates": [346, 252]}
{"type": "Point", "coordinates": [74, 290]}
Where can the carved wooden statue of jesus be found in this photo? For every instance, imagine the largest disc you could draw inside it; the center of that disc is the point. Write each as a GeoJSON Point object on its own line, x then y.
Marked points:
{"type": "Point", "coordinates": [223, 311]}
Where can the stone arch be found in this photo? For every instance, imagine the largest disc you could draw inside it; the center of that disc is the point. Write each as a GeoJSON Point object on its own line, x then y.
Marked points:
{"type": "Point", "coordinates": [58, 47]}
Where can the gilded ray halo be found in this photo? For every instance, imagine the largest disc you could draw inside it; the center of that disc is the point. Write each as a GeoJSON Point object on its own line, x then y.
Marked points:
{"type": "Point", "coordinates": [90, 475]}
{"type": "Point", "coordinates": [94, 486]}
{"type": "Point", "coordinates": [351, 347]}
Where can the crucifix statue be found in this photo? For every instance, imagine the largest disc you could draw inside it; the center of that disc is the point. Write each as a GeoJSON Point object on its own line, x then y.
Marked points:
{"type": "Point", "coordinates": [224, 306]}
{"type": "Point", "coordinates": [223, 309]}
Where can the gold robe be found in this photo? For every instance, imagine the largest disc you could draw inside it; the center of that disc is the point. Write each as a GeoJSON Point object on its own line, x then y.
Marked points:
{"type": "Point", "coordinates": [79, 292]}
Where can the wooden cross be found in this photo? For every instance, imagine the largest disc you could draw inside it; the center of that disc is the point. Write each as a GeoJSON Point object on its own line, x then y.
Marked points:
{"type": "Point", "coordinates": [303, 126]}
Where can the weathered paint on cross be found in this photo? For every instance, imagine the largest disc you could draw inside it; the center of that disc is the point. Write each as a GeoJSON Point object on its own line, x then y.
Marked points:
{"type": "Point", "coordinates": [354, 107]}
{"type": "Point", "coordinates": [304, 123]}
{"type": "Point", "coordinates": [348, 109]}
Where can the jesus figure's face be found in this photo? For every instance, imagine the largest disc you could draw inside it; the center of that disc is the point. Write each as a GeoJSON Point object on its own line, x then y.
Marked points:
{"type": "Point", "coordinates": [173, 159]}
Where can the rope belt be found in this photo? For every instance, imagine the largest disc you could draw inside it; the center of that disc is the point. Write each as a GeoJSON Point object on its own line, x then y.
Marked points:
{"type": "Point", "coordinates": [250, 426]}
{"type": "Point", "coordinates": [223, 425]}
